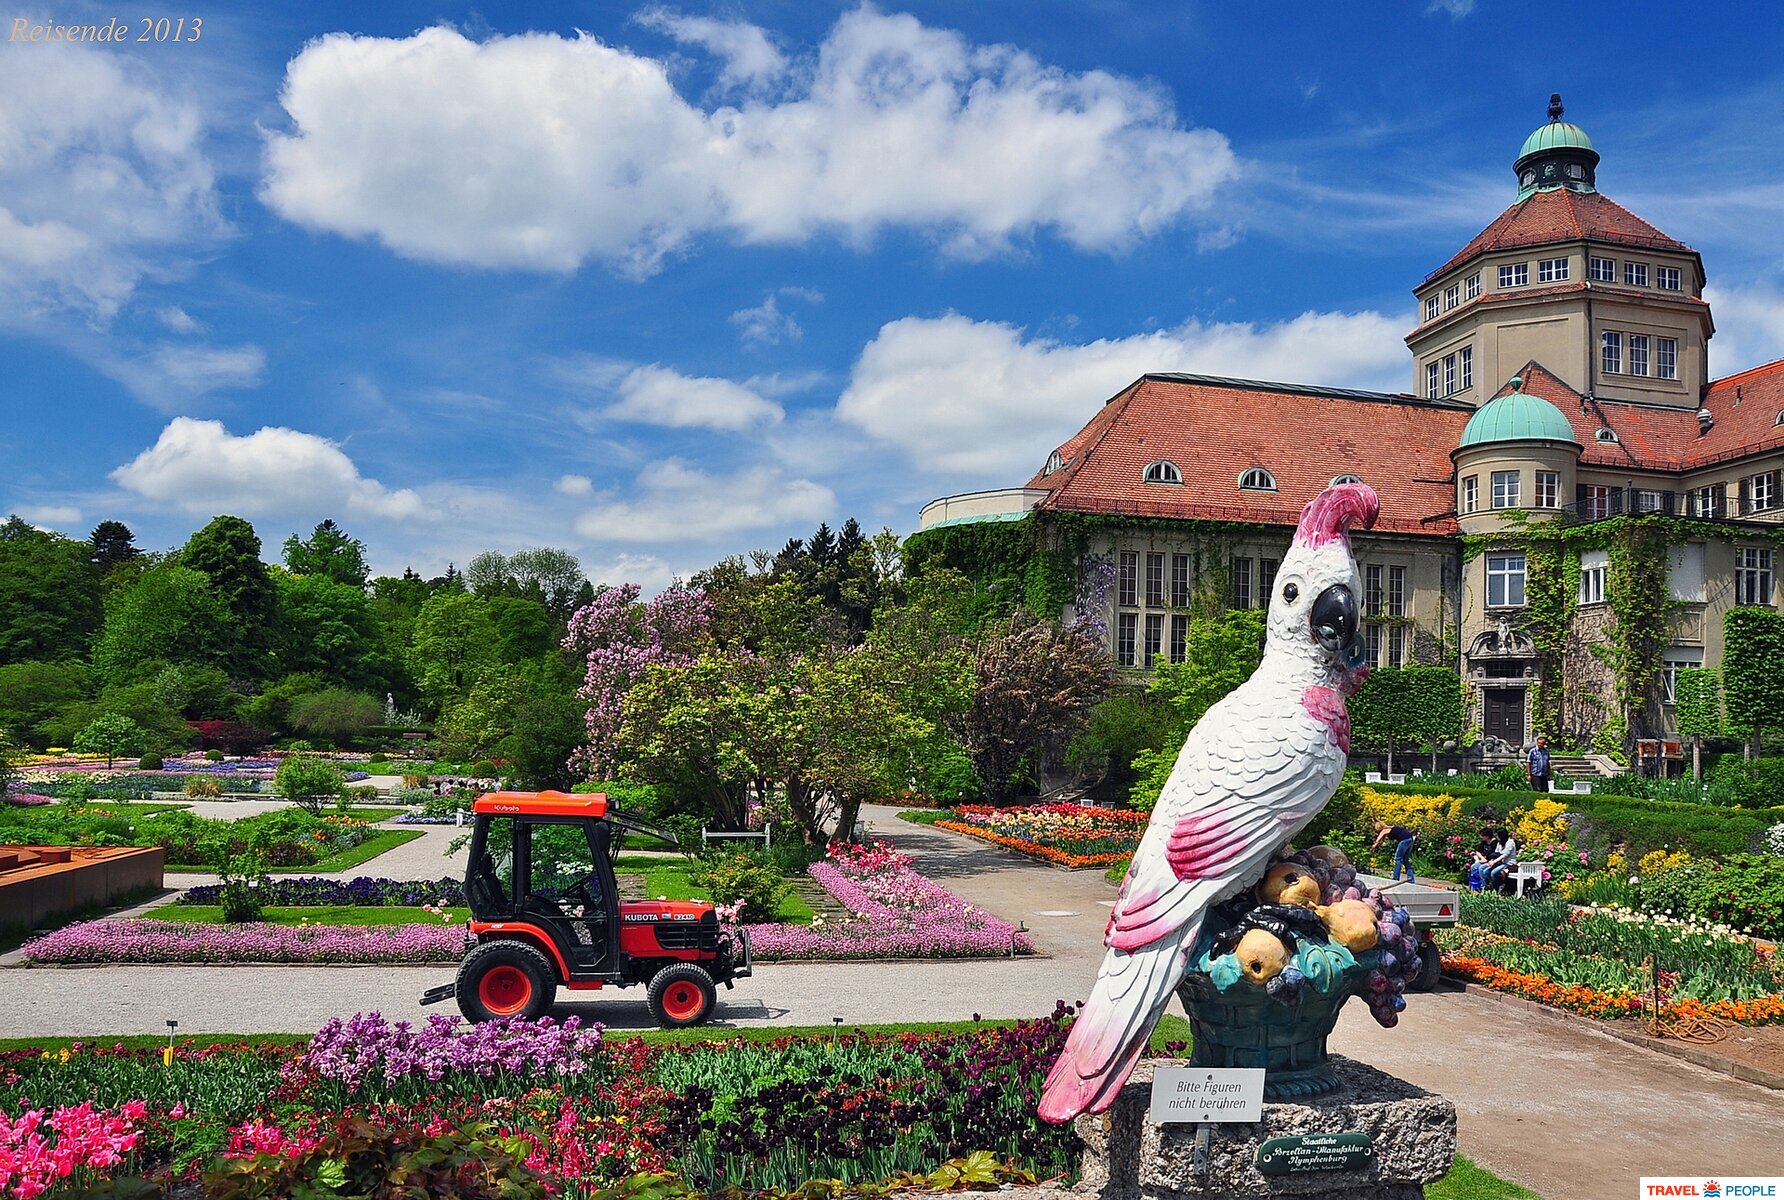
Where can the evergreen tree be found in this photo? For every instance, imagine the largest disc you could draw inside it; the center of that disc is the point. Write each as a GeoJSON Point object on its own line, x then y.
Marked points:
{"type": "Point", "coordinates": [227, 552]}
{"type": "Point", "coordinates": [328, 552]}
{"type": "Point", "coordinates": [112, 543]}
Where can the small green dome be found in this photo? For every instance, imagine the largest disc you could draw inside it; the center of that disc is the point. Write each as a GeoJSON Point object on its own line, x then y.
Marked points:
{"type": "Point", "coordinates": [1516, 417]}
{"type": "Point", "coordinates": [1556, 135]}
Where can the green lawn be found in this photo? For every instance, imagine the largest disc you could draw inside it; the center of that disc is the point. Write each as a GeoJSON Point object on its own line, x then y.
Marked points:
{"type": "Point", "coordinates": [317, 914]}
{"type": "Point", "coordinates": [924, 816]}
{"type": "Point", "coordinates": [671, 878]}
{"type": "Point", "coordinates": [1466, 1181]}
{"type": "Point", "coordinates": [380, 841]}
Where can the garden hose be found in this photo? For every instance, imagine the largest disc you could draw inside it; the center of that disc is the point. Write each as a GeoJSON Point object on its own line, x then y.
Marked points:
{"type": "Point", "coordinates": [1699, 1030]}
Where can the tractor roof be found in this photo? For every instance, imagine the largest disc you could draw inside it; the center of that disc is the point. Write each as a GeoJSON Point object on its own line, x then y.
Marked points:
{"type": "Point", "coordinates": [547, 804]}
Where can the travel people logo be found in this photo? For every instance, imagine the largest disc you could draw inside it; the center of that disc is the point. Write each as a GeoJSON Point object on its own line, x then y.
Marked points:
{"type": "Point", "coordinates": [1699, 1188]}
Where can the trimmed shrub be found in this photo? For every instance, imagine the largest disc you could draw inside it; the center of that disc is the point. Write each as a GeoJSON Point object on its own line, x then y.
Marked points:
{"type": "Point", "coordinates": [741, 879]}
{"type": "Point", "coordinates": [213, 756]}
{"type": "Point", "coordinates": [150, 762]}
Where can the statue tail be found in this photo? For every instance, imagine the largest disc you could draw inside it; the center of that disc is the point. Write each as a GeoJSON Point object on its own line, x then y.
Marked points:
{"type": "Point", "coordinates": [1111, 1032]}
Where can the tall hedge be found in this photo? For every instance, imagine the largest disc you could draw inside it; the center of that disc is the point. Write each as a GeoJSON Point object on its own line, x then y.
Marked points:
{"type": "Point", "coordinates": [1698, 694]}
{"type": "Point", "coordinates": [1752, 670]}
{"type": "Point", "coordinates": [1406, 706]}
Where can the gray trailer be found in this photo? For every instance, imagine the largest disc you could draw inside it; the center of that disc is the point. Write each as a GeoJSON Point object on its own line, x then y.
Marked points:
{"type": "Point", "coordinates": [1429, 907]}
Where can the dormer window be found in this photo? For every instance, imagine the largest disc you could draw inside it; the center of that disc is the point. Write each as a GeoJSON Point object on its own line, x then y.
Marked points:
{"type": "Point", "coordinates": [1163, 471]}
{"type": "Point", "coordinates": [1605, 434]}
{"type": "Point", "coordinates": [1340, 479]}
{"type": "Point", "coordinates": [1257, 480]}
{"type": "Point", "coordinates": [1054, 462]}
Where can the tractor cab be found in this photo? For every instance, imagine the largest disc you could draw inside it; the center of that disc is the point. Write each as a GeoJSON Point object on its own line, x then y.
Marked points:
{"type": "Point", "coordinates": [545, 910]}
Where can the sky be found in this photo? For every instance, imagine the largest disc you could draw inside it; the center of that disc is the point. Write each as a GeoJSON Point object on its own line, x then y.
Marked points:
{"type": "Point", "coordinates": [659, 285]}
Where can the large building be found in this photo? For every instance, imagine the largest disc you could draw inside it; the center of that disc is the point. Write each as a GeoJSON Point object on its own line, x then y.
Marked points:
{"type": "Point", "coordinates": [1569, 503]}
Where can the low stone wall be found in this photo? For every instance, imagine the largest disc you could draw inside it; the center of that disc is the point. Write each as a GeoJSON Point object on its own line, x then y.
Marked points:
{"type": "Point", "coordinates": [38, 883]}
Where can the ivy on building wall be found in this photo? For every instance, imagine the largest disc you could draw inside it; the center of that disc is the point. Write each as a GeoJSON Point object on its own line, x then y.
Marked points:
{"type": "Point", "coordinates": [1014, 563]}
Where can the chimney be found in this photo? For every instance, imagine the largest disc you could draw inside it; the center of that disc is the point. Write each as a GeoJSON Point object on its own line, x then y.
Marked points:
{"type": "Point", "coordinates": [1705, 419]}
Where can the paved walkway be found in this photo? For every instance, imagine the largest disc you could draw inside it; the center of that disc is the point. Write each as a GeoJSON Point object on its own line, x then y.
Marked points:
{"type": "Point", "coordinates": [1567, 1111]}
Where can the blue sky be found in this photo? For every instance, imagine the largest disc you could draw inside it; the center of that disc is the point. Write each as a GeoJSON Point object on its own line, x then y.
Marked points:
{"type": "Point", "coordinates": [662, 284]}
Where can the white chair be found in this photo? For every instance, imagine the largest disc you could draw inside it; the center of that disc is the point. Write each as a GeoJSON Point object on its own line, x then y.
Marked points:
{"type": "Point", "coordinates": [1526, 873]}
{"type": "Point", "coordinates": [1371, 776]}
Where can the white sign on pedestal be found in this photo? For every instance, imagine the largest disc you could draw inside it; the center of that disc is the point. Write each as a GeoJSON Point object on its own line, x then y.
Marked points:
{"type": "Point", "coordinates": [1220, 1094]}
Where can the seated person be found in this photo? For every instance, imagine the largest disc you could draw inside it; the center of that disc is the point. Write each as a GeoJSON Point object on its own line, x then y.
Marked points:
{"type": "Point", "coordinates": [1483, 852]}
{"type": "Point", "coordinates": [1505, 857]}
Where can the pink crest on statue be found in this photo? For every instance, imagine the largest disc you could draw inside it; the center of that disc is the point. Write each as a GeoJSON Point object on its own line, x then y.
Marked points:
{"type": "Point", "coordinates": [1329, 516]}
{"type": "Point", "coordinates": [1326, 706]}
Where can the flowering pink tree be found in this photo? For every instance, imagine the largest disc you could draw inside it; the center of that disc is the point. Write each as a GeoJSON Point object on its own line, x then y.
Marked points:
{"type": "Point", "coordinates": [621, 638]}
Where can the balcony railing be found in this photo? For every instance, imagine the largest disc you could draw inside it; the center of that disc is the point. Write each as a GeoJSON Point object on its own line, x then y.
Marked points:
{"type": "Point", "coordinates": [1633, 501]}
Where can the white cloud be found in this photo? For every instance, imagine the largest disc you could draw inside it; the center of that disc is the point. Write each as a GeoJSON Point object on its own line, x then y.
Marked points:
{"type": "Point", "coordinates": [656, 395]}
{"type": "Point", "coordinates": [574, 485]}
{"type": "Point", "coordinates": [540, 152]}
{"type": "Point", "coordinates": [749, 57]}
{"type": "Point", "coordinates": [199, 467]}
{"type": "Point", "coordinates": [101, 177]}
{"type": "Point", "coordinates": [677, 503]}
{"type": "Point", "coordinates": [51, 516]}
{"type": "Point", "coordinates": [1457, 9]}
{"type": "Point", "coordinates": [1749, 326]}
{"type": "Point", "coordinates": [648, 571]}
{"type": "Point", "coordinates": [975, 397]}
{"type": "Point", "coordinates": [766, 324]}
{"type": "Point", "coordinates": [178, 319]}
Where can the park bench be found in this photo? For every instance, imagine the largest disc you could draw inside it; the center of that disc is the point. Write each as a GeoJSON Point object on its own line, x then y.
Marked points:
{"type": "Point", "coordinates": [1525, 873]}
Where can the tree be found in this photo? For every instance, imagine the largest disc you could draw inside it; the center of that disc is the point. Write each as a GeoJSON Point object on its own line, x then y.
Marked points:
{"type": "Point", "coordinates": [620, 639]}
{"type": "Point", "coordinates": [33, 693]}
{"type": "Point", "coordinates": [527, 714]}
{"type": "Point", "coordinates": [453, 640]}
{"type": "Point", "coordinates": [328, 628]}
{"type": "Point", "coordinates": [111, 735]}
{"type": "Point", "coordinates": [111, 543]}
{"type": "Point", "coordinates": [1752, 681]}
{"type": "Point", "coordinates": [227, 552]}
{"type": "Point", "coordinates": [336, 714]}
{"type": "Point", "coordinates": [271, 709]}
{"type": "Point", "coordinates": [170, 614]}
{"type": "Point", "coordinates": [1699, 695]}
{"type": "Point", "coordinates": [49, 595]}
{"type": "Point", "coordinates": [329, 553]}
{"type": "Point", "coordinates": [1219, 654]}
{"type": "Point", "coordinates": [308, 782]}
{"type": "Point", "coordinates": [195, 691]}
{"type": "Point", "coordinates": [522, 628]}
{"type": "Point", "coordinates": [1035, 680]}
{"type": "Point", "coordinates": [1417, 706]}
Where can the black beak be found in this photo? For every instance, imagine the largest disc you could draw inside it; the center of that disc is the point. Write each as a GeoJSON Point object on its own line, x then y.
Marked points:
{"type": "Point", "coordinates": [1334, 617]}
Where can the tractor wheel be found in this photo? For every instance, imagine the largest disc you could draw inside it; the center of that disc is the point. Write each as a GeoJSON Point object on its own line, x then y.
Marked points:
{"type": "Point", "coordinates": [1430, 967]}
{"type": "Point", "coordinates": [505, 979]}
{"type": "Point", "coordinates": [682, 995]}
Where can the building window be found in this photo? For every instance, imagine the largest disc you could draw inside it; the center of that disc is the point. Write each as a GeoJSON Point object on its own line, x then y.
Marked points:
{"type": "Point", "coordinates": [1505, 580]}
{"type": "Point", "coordinates": [1595, 501]}
{"type": "Point", "coordinates": [1155, 635]}
{"type": "Point", "coordinates": [1372, 639]}
{"type": "Point", "coordinates": [1372, 590]}
{"type": "Point", "coordinates": [1449, 374]}
{"type": "Point", "coordinates": [1551, 270]}
{"type": "Point", "coordinates": [1707, 501]}
{"type": "Point", "coordinates": [1155, 581]}
{"type": "Point", "coordinates": [1548, 489]}
{"type": "Point", "coordinates": [1514, 276]}
{"type": "Point", "coordinates": [1163, 471]}
{"type": "Point", "coordinates": [1684, 572]}
{"type": "Point", "coordinates": [1594, 566]}
{"type": "Point", "coordinates": [1467, 368]}
{"type": "Point", "coordinates": [1674, 662]}
{"type": "Point", "coordinates": [1433, 379]}
{"type": "Point", "coordinates": [1241, 583]}
{"type": "Point", "coordinates": [1667, 278]}
{"type": "Point", "coordinates": [1647, 501]}
{"type": "Point", "coordinates": [1471, 287]}
{"type": "Point", "coordinates": [1126, 626]}
{"type": "Point", "coordinates": [1505, 489]}
{"type": "Point", "coordinates": [1179, 638]}
{"type": "Point", "coordinates": [1266, 581]}
{"type": "Point", "coordinates": [1054, 462]}
{"type": "Point", "coordinates": [1341, 479]}
{"type": "Point", "coordinates": [1396, 645]}
{"type": "Point", "coordinates": [1635, 274]}
{"type": "Point", "coordinates": [1762, 492]}
{"type": "Point", "coordinates": [1128, 585]}
{"type": "Point", "coordinates": [1666, 358]}
{"type": "Point", "coordinates": [1431, 308]}
{"type": "Point", "coordinates": [1179, 581]}
{"type": "Point", "coordinates": [1753, 576]}
{"type": "Point", "coordinates": [1470, 493]}
{"type": "Point", "coordinates": [1638, 354]}
{"type": "Point", "coordinates": [1613, 353]}
{"type": "Point", "coordinates": [1603, 270]}
{"type": "Point", "coordinates": [1396, 592]}
{"type": "Point", "coordinates": [1452, 296]}
{"type": "Point", "coordinates": [1257, 480]}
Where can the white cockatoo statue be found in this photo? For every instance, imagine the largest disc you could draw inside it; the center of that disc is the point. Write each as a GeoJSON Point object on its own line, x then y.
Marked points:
{"type": "Point", "coordinates": [1257, 767]}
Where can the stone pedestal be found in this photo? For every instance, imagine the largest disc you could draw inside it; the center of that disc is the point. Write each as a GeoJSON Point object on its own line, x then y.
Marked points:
{"type": "Point", "coordinates": [1413, 1132]}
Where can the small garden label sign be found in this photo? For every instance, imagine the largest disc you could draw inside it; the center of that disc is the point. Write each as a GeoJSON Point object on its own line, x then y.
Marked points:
{"type": "Point", "coordinates": [1222, 1094]}
{"type": "Point", "coordinates": [1315, 1152]}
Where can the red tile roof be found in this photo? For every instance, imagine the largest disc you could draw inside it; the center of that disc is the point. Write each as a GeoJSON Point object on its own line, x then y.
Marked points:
{"type": "Point", "coordinates": [1661, 438]}
{"type": "Point", "coordinates": [1562, 215]}
{"type": "Point", "coordinates": [1215, 429]}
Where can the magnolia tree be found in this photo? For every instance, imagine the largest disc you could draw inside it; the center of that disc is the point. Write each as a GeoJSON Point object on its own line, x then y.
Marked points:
{"type": "Point", "coordinates": [621, 639]}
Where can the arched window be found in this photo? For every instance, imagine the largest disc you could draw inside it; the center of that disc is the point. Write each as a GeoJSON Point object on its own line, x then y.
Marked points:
{"type": "Point", "coordinates": [1257, 480]}
{"type": "Point", "coordinates": [1163, 471]}
{"type": "Point", "coordinates": [1605, 434]}
{"type": "Point", "coordinates": [1780, 419]}
{"type": "Point", "coordinates": [1338, 479]}
{"type": "Point", "coordinates": [1054, 462]}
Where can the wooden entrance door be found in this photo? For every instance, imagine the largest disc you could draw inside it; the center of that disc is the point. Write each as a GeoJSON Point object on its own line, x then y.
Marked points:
{"type": "Point", "coordinates": [1504, 715]}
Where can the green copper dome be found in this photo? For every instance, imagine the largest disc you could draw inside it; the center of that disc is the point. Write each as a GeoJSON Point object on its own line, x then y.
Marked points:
{"type": "Point", "coordinates": [1556, 135]}
{"type": "Point", "coordinates": [1557, 155]}
{"type": "Point", "coordinates": [1516, 417]}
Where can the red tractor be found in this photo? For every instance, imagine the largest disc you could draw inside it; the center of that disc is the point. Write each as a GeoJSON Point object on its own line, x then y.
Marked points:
{"type": "Point", "coordinates": [546, 912]}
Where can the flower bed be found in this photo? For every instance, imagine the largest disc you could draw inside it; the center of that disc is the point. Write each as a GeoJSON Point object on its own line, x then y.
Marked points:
{"type": "Point", "coordinates": [1072, 835]}
{"type": "Point", "coordinates": [284, 837]}
{"type": "Point", "coordinates": [563, 1110]}
{"type": "Point", "coordinates": [894, 913]}
{"type": "Point", "coordinates": [364, 892]}
{"type": "Point", "coordinates": [146, 941]}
